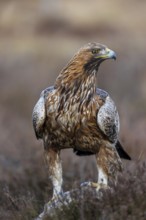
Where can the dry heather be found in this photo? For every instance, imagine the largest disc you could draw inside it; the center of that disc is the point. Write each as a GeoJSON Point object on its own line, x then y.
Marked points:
{"type": "Point", "coordinates": [36, 39]}
{"type": "Point", "coordinates": [24, 196]}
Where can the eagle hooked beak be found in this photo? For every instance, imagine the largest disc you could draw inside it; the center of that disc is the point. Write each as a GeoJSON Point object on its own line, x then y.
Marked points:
{"type": "Point", "coordinates": [111, 54]}
{"type": "Point", "coordinates": [108, 54]}
{"type": "Point", "coordinates": [105, 54]}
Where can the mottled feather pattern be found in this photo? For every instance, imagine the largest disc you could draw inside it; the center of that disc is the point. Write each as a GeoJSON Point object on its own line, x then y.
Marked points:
{"type": "Point", "coordinates": [108, 120]}
{"type": "Point", "coordinates": [39, 112]}
{"type": "Point", "coordinates": [110, 162]}
{"type": "Point", "coordinates": [39, 116]}
{"type": "Point", "coordinates": [71, 116]}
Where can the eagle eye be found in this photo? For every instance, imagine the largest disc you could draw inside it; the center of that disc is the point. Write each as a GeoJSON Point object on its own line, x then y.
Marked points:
{"type": "Point", "coordinates": [95, 51]}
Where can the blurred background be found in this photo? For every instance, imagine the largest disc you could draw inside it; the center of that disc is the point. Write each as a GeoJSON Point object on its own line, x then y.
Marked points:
{"type": "Point", "coordinates": [37, 39]}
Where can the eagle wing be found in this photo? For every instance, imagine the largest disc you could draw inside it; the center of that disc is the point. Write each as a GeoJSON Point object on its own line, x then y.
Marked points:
{"type": "Point", "coordinates": [39, 112]}
{"type": "Point", "coordinates": [107, 117]}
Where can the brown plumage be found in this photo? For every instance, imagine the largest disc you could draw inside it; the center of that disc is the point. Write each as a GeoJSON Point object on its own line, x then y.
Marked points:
{"type": "Point", "coordinates": [75, 114]}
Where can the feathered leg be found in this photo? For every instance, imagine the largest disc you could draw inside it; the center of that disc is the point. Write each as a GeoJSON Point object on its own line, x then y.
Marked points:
{"type": "Point", "coordinates": [108, 164]}
{"type": "Point", "coordinates": [53, 160]}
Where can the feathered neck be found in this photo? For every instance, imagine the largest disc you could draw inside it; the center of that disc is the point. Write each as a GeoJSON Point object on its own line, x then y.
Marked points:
{"type": "Point", "coordinates": [74, 80]}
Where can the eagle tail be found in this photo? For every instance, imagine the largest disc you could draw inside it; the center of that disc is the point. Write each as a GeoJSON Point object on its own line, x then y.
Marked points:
{"type": "Point", "coordinates": [122, 153]}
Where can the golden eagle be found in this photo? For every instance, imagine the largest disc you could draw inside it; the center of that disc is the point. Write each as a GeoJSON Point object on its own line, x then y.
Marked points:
{"type": "Point", "coordinates": [74, 113]}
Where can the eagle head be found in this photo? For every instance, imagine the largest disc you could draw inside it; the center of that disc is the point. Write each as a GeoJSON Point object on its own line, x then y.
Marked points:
{"type": "Point", "coordinates": [83, 66]}
{"type": "Point", "coordinates": [93, 54]}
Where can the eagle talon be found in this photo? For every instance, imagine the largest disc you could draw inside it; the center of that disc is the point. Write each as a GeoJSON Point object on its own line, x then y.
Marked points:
{"type": "Point", "coordinates": [94, 185]}
{"type": "Point", "coordinates": [99, 186]}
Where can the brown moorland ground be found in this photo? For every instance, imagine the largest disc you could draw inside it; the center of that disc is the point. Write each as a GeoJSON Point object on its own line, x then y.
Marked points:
{"type": "Point", "coordinates": [37, 38]}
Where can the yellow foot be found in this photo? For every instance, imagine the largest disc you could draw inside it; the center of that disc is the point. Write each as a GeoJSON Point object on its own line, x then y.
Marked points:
{"type": "Point", "coordinates": [99, 186]}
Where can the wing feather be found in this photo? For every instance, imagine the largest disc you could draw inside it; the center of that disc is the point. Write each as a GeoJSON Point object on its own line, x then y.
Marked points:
{"type": "Point", "coordinates": [39, 112]}
{"type": "Point", "coordinates": [108, 119]}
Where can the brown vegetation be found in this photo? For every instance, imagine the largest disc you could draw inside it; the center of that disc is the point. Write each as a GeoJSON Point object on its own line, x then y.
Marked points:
{"type": "Point", "coordinates": [36, 39]}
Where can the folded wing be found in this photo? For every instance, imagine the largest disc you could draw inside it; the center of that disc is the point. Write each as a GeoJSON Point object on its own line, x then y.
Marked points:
{"type": "Point", "coordinates": [39, 113]}
{"type": "Point", "coordinates": [108, 118]}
